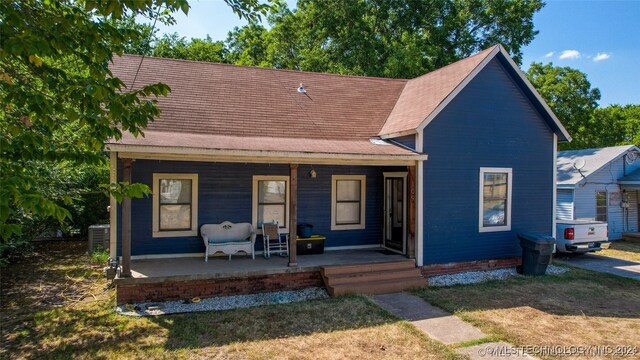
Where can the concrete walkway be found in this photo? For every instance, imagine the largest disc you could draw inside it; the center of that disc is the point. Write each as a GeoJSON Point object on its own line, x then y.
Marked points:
{"type": "Point", "coordinates": [444, 327]}
{"type": "Point", "coordinates": [624, 268]}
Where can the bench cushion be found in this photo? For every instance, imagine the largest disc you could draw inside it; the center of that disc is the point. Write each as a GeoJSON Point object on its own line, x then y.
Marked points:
{"type": "Point", "coordinates": [226, 232]}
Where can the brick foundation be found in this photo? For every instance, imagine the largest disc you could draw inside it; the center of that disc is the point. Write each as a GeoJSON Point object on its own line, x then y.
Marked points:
{"type": "Point", "coordinates": [458, 267]}
{"type": "Point", "coordinates": [206, 288]}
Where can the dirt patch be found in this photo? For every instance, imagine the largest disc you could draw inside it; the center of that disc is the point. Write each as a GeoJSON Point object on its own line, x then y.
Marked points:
{"type": "Point", "coordinates": [57, 273]}
{"type": "Point", "coordinates": [578, 308]}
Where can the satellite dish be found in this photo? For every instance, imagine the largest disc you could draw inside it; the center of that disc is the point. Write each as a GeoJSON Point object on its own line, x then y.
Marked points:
{"type": "Point", "coordinates": [579, 164]}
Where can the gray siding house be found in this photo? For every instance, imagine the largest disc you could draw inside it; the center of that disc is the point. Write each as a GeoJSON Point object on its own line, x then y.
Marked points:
{"type": "Point", "coordinates": [601, 184]}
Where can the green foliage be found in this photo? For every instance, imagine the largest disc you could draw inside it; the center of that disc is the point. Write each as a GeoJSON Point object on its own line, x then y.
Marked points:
{"type": "Point", "coordinates": [100, 256]}
{"type": "Point", "coordinates": [176, 47]}
{"type": "Point", "coordinates": [247, 46]}
{"type": "Point", "coordinates": [569, 94]}
{"type": "Point", "coordinates": [60, 100]}
{"type": "Point", "coordinates": [615, 125]}
{"type": "Point", "coordinates": [391, 38]}
{"type": "Point", "coordinates": [11, 250]}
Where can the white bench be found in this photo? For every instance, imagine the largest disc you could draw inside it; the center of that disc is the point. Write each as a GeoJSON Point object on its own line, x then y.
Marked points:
{"type": "Point", "coordinates": [228, 238]}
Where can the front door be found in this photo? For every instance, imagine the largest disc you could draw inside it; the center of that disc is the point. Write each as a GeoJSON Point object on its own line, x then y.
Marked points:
{"type": "Point", "coordinates": [395, 211]}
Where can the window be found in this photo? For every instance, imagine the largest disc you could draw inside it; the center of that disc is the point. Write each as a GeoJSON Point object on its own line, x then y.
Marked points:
{"type": "Point", "coordinates": [271, 200]}
{"type": "Point", "coordinates": [348, 202]}
{"type": "Point", "coordinates": [601, 206]}
{"type": "Point", "coordinates": [175, 205]}
{"type": "Point", "coordinates": [495, 199]}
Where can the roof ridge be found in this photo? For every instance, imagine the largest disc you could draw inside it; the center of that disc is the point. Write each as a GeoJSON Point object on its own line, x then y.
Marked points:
{"type": "Point", "coordinates": [456, 62]}
{"type": "Point", "coordinates": [211, 63]}
{"type": "Point", "coordinates": [256, 136]}
{"type": "Point", "coordinates": [598, 148]}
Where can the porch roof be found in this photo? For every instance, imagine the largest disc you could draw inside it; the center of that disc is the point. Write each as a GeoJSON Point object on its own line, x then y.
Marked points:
{"type": "Point", "coordinates": [160, 143]}
{"type": "Point", "coordinates": [631, 181]}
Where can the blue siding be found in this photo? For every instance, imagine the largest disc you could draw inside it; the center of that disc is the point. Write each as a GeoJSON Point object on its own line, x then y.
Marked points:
{"type": "Point", "coordinates": [225, 193]}
{"type": "Point", "coordinates": [407, 140]}
{"type": "Point", "coordinates": [491, 123]}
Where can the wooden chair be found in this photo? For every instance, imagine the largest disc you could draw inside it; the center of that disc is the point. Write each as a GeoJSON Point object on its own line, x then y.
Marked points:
{"type": "Point", "coordinates": [273, 240]}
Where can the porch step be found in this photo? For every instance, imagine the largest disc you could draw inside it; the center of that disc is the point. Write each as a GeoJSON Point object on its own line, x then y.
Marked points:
{"type": "Point", "coordinates": [373, 278]}
{"type": "Point", "coordinates": [360, 268]}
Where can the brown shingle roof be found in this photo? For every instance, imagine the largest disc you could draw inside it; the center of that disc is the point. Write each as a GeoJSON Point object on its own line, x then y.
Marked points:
{"type": "Point", "coordinates": [252, 108]}
{"type": "Point", "coordinates": [210, 98]}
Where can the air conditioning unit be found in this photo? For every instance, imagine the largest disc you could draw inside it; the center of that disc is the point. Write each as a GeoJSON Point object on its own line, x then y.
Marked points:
{"type": "Point", "coordinates": [98, 237]}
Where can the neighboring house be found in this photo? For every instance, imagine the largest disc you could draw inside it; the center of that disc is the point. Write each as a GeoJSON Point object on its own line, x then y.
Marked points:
{"type": "Point", "coordinates": [445, 168]}
{"type": "Point", "coordinates": [601, 184]}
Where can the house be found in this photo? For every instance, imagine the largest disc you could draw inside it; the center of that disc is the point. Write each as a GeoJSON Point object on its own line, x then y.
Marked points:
{"type": "Point", "coordinates": [601, 184]}
{"type": "Point", "coordinates": [444, 169]}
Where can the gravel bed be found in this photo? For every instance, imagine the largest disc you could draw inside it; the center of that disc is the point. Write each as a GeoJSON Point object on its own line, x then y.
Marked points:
{"type": "Point", "coordinates": [221, 303]}
{"type": "Point", "coordinates": [473, 277]}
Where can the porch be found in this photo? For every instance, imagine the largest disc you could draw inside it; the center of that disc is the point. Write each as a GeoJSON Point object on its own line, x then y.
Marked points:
{"type": "Point", "coordinates": [186, 278]}
{"type": "Point", "coordinates": [219, 267]}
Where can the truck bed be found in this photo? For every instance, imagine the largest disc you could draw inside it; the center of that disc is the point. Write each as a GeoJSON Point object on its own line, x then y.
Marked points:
{"type": "Point", "coordinates": [588, 235]}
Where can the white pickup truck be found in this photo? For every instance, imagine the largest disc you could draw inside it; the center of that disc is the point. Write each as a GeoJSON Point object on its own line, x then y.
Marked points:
{"type": "Point", "coordinates": [581, 236]}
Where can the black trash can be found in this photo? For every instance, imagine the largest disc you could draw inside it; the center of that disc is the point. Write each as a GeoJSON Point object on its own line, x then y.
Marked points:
{"type": "Point", "coordinates": [537, 249]}
{"type": "Point", "coordinates": [305, 230]}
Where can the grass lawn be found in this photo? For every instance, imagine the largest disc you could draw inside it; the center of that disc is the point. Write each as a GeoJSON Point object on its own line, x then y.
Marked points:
{"type": "Point", "coordinates": [623, 250]}
{"type": "Point", "coordinates": [54, 305]}
{"type": "Point", "coordinates": [576, 308]}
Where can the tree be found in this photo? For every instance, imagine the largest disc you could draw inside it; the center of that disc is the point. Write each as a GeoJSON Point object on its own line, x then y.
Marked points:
{"type": "Point", "coordinates": [391, 38]}
{"type": "Point", "coordinates": [60, 102]}
{"type": "Point", "coordinates": [176, 47]}
{"type": "Point", "coordinates": [569, 94]}
{"type": "Point", "coordinates": [247, 46]}
{"type": "Point", "coordinates": [631, 114]}
{"type": "Point", "coordinates": [615, 125]}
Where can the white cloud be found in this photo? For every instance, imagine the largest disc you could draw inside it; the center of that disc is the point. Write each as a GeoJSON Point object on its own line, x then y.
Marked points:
{"type": "Point", "coordinates": [570, 54]}
{"type": "Point", "coordinates": [549, 54]}
{"type": "Point", "coordinates": [601, 56]}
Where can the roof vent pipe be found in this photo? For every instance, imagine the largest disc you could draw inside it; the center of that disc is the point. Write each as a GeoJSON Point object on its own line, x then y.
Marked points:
{"type": "Point", "coordinates": [301, 89]}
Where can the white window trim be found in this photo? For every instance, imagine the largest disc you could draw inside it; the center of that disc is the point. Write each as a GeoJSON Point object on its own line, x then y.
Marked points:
{"type": "Point", "coordinates": [507, 226]}
{"type": "Point", "coordinates": [363, 198]}
{"type": "Point", "coordinates": [254, 203]}
{"type": "Point", "coordinates": [156, 233]}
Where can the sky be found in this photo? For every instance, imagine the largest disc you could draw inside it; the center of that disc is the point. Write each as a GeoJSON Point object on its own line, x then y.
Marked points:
{"type": "Point", "coordinates": [599, 38]}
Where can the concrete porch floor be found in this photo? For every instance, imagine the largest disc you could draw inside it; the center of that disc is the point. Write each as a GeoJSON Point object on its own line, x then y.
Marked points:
{"type": "Point", "coordinates": [195, 268]}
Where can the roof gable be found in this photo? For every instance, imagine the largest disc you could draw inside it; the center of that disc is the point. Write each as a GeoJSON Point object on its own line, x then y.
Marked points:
{"type": "Point", "coordinates": [594, 160]}
{"type": "Point", "coordinates": [423, 98]}
{"type": "Point", "coordinates": [425, 94]}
